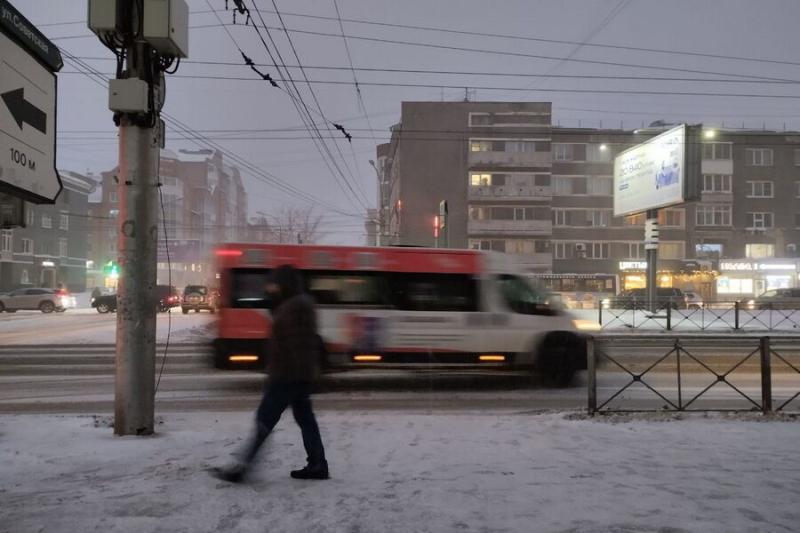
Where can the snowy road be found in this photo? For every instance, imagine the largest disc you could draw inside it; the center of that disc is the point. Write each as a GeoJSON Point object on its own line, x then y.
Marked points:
{"type": "Point", "coordinates": [79, 379]}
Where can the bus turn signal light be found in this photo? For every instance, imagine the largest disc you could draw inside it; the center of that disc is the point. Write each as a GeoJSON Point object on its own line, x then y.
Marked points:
{"type": "Point", "coordinates": [367, 358]}
{"type": "Point", "coordinates": [242, 358]}
{"type": "Point", "coordinates": [495, 358]}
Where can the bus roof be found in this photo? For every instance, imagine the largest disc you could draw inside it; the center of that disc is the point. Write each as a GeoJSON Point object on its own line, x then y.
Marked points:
{"type": "Point", "coordinates": [327, 257]}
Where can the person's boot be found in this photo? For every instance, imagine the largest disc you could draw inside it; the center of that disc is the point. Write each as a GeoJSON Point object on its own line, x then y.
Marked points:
{"type": "Point", "coordinates": [312, 471]}
{"type": "Point", "coordinates": [232, 474]}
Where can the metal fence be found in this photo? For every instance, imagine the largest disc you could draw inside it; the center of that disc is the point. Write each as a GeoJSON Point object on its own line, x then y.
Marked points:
{"type": "Point", "coordinates": [676, 315]}
{"type": "Point", "coordinates": [659, 366]}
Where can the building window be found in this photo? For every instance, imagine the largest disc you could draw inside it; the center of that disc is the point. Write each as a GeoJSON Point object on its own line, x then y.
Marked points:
{"type": "Point", "coordinates": [570, 185]}
{"type": "Point", "coordinates": [758, 157]}
{"type": "Point", "coordinates": [62, 247]}
{"type": "Point", "coordinates": [31, 216]}
{"type": "Point", "coordinates": [6, 240]}
{"type": "Point", "coordinates": [759, 220]}
{"type": "Point", "coordinates": [563, 250]}
{"type": "Point", "coordinates": [759, 189]}
{"type": "Point", "coordinates": [63, 222]}
{"type": "Point", "coordinates": [480, 119]}
{"type": "Point", "coordinates": [24, 278]}
{"type": "Point", "coordinates": [713, 215]}
{"type": "Point", "coordinates": [716, 183]}
{"type": "Point", "coordinates": [716, 150]}
{"type": "Point", "coordinates": [671, 218]}
{"type": "Point", "coordinates": [759, 251]}
{"type": "Point", "coordinates": [598, 153]}
{"type": "Point", "coordinates": [495, 245]}
{"type": "Point", "coordinates": [509, 213]}
{"type": "Point", "coordinates": [112, 197]}
{"type": "Point", "coordinates": [27, 247]}
{"type": "Point", "coordinates": [636, 250]}
{"type": "Point", "coordinates": [600, 186]}
{"type": "Point", "coordinates": [671, 250]}
{"type": "Point", "coordinates": [635, 220]}
{"type": "Point", "coordinates": [47, 222]}
{"type": "Point", "coordinates": [598, 250]}
{"type": "Point", "coordinates": [569, 152]}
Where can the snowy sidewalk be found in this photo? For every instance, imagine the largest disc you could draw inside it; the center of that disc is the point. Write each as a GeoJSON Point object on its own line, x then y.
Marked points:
{"type": "Point", "coordinates": [400, 472]}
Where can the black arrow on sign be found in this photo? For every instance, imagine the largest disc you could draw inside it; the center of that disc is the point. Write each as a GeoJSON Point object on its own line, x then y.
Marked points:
{"type": "Point", "coordinates": [24, 111]}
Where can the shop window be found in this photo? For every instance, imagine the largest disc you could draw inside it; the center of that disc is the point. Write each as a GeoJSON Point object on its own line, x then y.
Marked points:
{"type": "Point", "coordinates": [727, 285]}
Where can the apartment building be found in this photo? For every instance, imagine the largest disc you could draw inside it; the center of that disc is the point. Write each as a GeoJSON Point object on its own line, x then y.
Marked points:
{"type": "Point", "coordinates": [516, 184]}
{"type": "Point", "coordinates": [51, 248]}
{"type": "Point", "coordinates": [204, 203]}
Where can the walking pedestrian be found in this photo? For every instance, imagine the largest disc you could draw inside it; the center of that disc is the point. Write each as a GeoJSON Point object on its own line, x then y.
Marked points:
{"type": "Point", "coordinates": [293, 361]}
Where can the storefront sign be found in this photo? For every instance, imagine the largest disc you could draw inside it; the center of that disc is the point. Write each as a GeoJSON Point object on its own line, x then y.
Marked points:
{"type": "Point", "coordinates": [736, 265]}
{"type": "Point", "coordinates": [633, 265]}
{"type": "Point", "coordinates": [777, 266]}
{"type": "Point", "coordinates": [750, 266]}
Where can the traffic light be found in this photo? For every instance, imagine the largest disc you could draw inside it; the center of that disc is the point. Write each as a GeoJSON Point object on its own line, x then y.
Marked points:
{"type": "Point", "coordinates": [111, 269]}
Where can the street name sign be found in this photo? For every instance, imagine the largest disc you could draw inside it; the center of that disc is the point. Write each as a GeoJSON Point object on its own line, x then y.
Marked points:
{"type": "Point", "coordinates": [28, 62]}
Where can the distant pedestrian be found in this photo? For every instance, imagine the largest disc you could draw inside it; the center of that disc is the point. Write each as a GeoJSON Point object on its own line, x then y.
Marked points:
{"type": "Point", "coordinates": [96, 292]}
{"type": "Point", "coordinates": [293, 364]}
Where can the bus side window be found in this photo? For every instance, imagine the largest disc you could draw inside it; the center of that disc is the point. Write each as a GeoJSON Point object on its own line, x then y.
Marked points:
{"type": "Point", "coordinates": [249, 288]}
{"type": "Point", "coordinates": [434, 292]}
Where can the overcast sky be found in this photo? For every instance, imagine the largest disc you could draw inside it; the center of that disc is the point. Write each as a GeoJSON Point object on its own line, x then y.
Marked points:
{"type": "Point", "coordinates": [764, 30]}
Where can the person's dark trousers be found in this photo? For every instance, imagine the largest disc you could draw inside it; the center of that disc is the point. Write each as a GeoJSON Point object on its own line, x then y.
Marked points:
{"type": "Point", "coordinates": [278, 396]}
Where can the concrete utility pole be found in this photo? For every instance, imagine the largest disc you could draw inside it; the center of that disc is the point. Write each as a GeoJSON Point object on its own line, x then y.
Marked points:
{"type": "Point", "coordinates": [651, 249]}
{"type": "Point", "coordinates": [146, 38]}
{"type": "Point", "coordinates": [134, 401]}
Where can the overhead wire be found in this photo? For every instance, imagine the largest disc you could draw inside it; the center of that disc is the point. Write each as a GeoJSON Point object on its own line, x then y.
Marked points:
{"type": "Point", "coordinates": [187, 133]}
{"type": "Point", "coordinates": [328, 123]}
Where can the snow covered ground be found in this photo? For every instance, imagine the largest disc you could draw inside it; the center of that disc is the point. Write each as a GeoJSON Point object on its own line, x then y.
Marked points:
{"type": "Point", "coordinates": [489, 471]}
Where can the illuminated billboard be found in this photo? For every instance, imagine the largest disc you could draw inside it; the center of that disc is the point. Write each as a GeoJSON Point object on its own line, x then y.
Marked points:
{"type": "Point", "coordinates": [660, 172]}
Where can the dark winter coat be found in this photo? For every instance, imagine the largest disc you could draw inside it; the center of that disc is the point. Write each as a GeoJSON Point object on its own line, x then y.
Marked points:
{"type": "Point", "coordinates": [294, 351]}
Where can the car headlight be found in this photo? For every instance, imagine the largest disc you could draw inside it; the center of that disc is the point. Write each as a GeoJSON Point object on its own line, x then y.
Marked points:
{"type": "Point", "coordinates": [586, 325]}
{"type": "Point", "coordinates": [751, 304]}
{"type": "Point", "coordinates": [605, 303]}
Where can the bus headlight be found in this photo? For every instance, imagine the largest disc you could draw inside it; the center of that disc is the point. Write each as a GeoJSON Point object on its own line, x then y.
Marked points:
{"type": "Point", "coordinates": [586, 325]}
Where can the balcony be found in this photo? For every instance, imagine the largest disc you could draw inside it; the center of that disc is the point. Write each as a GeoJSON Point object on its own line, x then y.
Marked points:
{"type": "Point", "coordinates": [510, 192]}
{"type": "Point", "coordinates": [515, 228]}
{"type": "Point", "coordinates": [509, 159]}
{"type": "Point", "coordinates": [717, 166]}
{"type": "Point", "coordinates": [542, 261]}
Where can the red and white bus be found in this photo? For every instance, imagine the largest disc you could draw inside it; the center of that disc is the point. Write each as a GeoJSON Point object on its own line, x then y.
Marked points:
{"type": "Point", "coordinates": [400, 307]}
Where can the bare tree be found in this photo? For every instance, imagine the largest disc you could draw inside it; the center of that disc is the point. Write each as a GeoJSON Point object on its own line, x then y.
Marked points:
{"type": "Point", "coordinates": [288, 225]}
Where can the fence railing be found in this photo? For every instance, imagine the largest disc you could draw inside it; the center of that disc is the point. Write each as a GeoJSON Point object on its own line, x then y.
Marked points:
{"type": "Point", "coordinates": [669, 315]}
{"type": "Point", "coordinates": [660, 366]}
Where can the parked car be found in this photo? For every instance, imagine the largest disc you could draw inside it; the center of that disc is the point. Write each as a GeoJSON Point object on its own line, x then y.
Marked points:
{"type": "Point", "coordinates": [693, 300]}
{"type": "Point", "coordinates": [197, 298]}
{"type": "Point", "coordinates": [166, 294]}
{"type": "Point", "coordinates": [776, 299]}
{"type": "Point", "coordinates": [637, 299]}
{"type": "Point", "coordinates": [37, 298]}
